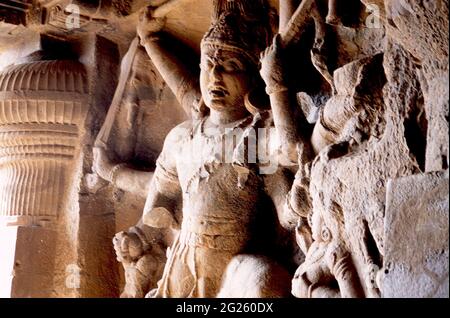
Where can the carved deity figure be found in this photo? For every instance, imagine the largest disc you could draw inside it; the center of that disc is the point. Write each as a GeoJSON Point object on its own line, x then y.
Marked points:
{"type": "Point", "coordinates": [227, 212]}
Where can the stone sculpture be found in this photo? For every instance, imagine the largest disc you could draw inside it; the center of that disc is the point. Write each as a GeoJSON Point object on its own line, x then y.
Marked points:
{"type": "Point", "coordinates": [119, 174]}
{"type": "Point", "coordinates": [311, 159]}
{"type": "Point", "coordinates": [349, 123]}
{"type": "Point", "coordinates": [215, 235]}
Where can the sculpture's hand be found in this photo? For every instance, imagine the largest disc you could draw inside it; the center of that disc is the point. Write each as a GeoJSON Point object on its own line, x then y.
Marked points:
{"type": "Point", "coordinates": [272, 70]}
{"type": "Point", "coordinates": [148, 25]}
{"type": "Point", "coordinates": [128, 247]}
{"type": "Point", "coordinates": [101, 165]}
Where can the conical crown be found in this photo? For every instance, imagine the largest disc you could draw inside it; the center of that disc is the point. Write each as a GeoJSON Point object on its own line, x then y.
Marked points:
{"type": "Point", "coordinates": [240, 25]}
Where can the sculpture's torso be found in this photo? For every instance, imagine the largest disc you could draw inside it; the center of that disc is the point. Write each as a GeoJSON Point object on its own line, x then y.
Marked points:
{"type": "Point", "coordinates": [215, 202]}
{"type": "Point", "coordinates": [220, 209]}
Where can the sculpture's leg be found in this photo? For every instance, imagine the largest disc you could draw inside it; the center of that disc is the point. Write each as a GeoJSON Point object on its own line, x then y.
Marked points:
{"type": "Point", "coordinates": [192, 271]}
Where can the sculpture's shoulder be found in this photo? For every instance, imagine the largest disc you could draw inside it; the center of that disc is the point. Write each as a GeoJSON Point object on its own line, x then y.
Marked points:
{"type": "Point", "coordinates": [179, 134]}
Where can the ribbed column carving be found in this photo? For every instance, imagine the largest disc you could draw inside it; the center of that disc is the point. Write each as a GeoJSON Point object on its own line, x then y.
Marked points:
{"type": "Point", "coordinates": [42, 105]}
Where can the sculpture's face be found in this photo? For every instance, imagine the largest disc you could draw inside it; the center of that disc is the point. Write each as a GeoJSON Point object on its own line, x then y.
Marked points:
{"type": "Point", "coordinates": [225, 78]}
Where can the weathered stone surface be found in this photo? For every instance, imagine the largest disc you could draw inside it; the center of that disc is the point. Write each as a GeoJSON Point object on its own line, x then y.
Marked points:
{"type": "Point", "coordinates": [416, 232]}
{"type": "Point", "coordinates": [34, 263]}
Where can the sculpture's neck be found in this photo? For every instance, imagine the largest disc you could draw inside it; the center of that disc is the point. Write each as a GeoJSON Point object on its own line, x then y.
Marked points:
{"type": "Point", "coordinates": [219, 118]}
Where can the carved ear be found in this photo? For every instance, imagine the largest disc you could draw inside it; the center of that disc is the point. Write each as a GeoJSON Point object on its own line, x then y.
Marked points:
{"type": "Point", "coordinates": [257, 100]}
{"type": "Point", "coordinates": [371, 76]}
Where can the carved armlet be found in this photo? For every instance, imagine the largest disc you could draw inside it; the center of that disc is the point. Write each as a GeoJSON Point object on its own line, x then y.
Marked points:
{"type": "Point", "coordinates": [274, 89]}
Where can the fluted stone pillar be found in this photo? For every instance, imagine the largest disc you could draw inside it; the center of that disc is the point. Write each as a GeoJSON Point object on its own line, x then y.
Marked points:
{"type": "Point", "coordinates": [43, 105]}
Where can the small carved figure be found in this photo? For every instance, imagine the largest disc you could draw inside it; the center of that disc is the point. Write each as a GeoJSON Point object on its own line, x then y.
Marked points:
{"type": "Point", "coordinates": [144, 257]}
{"type": "Point", "coordinates": [143, 261]}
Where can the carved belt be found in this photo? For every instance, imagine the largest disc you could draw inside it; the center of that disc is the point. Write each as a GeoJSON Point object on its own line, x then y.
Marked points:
{"type": "Point", "coordinates": [215, 226]}
{"type": "Point", "coordinates": [231, 243]}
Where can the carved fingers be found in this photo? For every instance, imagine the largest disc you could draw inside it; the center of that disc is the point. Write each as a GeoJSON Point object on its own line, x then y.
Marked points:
{"type": "Point", "coordinates": [272, 71]}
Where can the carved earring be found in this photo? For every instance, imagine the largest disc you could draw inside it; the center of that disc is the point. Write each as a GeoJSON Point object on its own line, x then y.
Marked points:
{"type": "Point", "coordinates": [249, 106]}
{"type": "Point", "coordinates": [256, 101]}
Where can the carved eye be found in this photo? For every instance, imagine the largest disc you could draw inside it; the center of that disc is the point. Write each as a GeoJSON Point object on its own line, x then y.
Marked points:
{"type": "Point", "coordinates": [206, 65]}
{"type": "Point", "coordinates": [233, 66]}
{"type": "Point", "coordinates": [325, 234]}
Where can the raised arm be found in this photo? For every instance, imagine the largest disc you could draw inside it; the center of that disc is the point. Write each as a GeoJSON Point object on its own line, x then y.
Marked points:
{"type": "Point", "coordinates": [182, 80]}
{"type": "Point", "coordinates": [289, 120]}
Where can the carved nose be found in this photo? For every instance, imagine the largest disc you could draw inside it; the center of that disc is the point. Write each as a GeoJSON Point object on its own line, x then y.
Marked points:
{"type": "Point", "coordinates": [215, 75]}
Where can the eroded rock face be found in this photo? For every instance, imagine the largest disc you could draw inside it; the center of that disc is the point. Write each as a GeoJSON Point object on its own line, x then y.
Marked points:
{"type": "Point", "coordinates": [422, 28]}
{"type": "Point", "coordinates": [307, 155]}
{"type": "Point", "coordinates": [416, 206]}
{"type": "Point", "coordinates": [348, 182]}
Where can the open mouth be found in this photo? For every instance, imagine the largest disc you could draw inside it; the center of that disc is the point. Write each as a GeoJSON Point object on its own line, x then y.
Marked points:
{"type": "Point", "coordinates": [218, 93]}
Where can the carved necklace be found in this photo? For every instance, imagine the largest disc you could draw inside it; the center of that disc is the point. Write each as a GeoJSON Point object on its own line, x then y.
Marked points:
{"type": "Point", "coordinates": [219, 136]}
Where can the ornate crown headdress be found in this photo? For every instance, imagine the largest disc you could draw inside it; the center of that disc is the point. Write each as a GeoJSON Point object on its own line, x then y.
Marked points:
{"type": "Point", "coordinates": [240, 25]}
